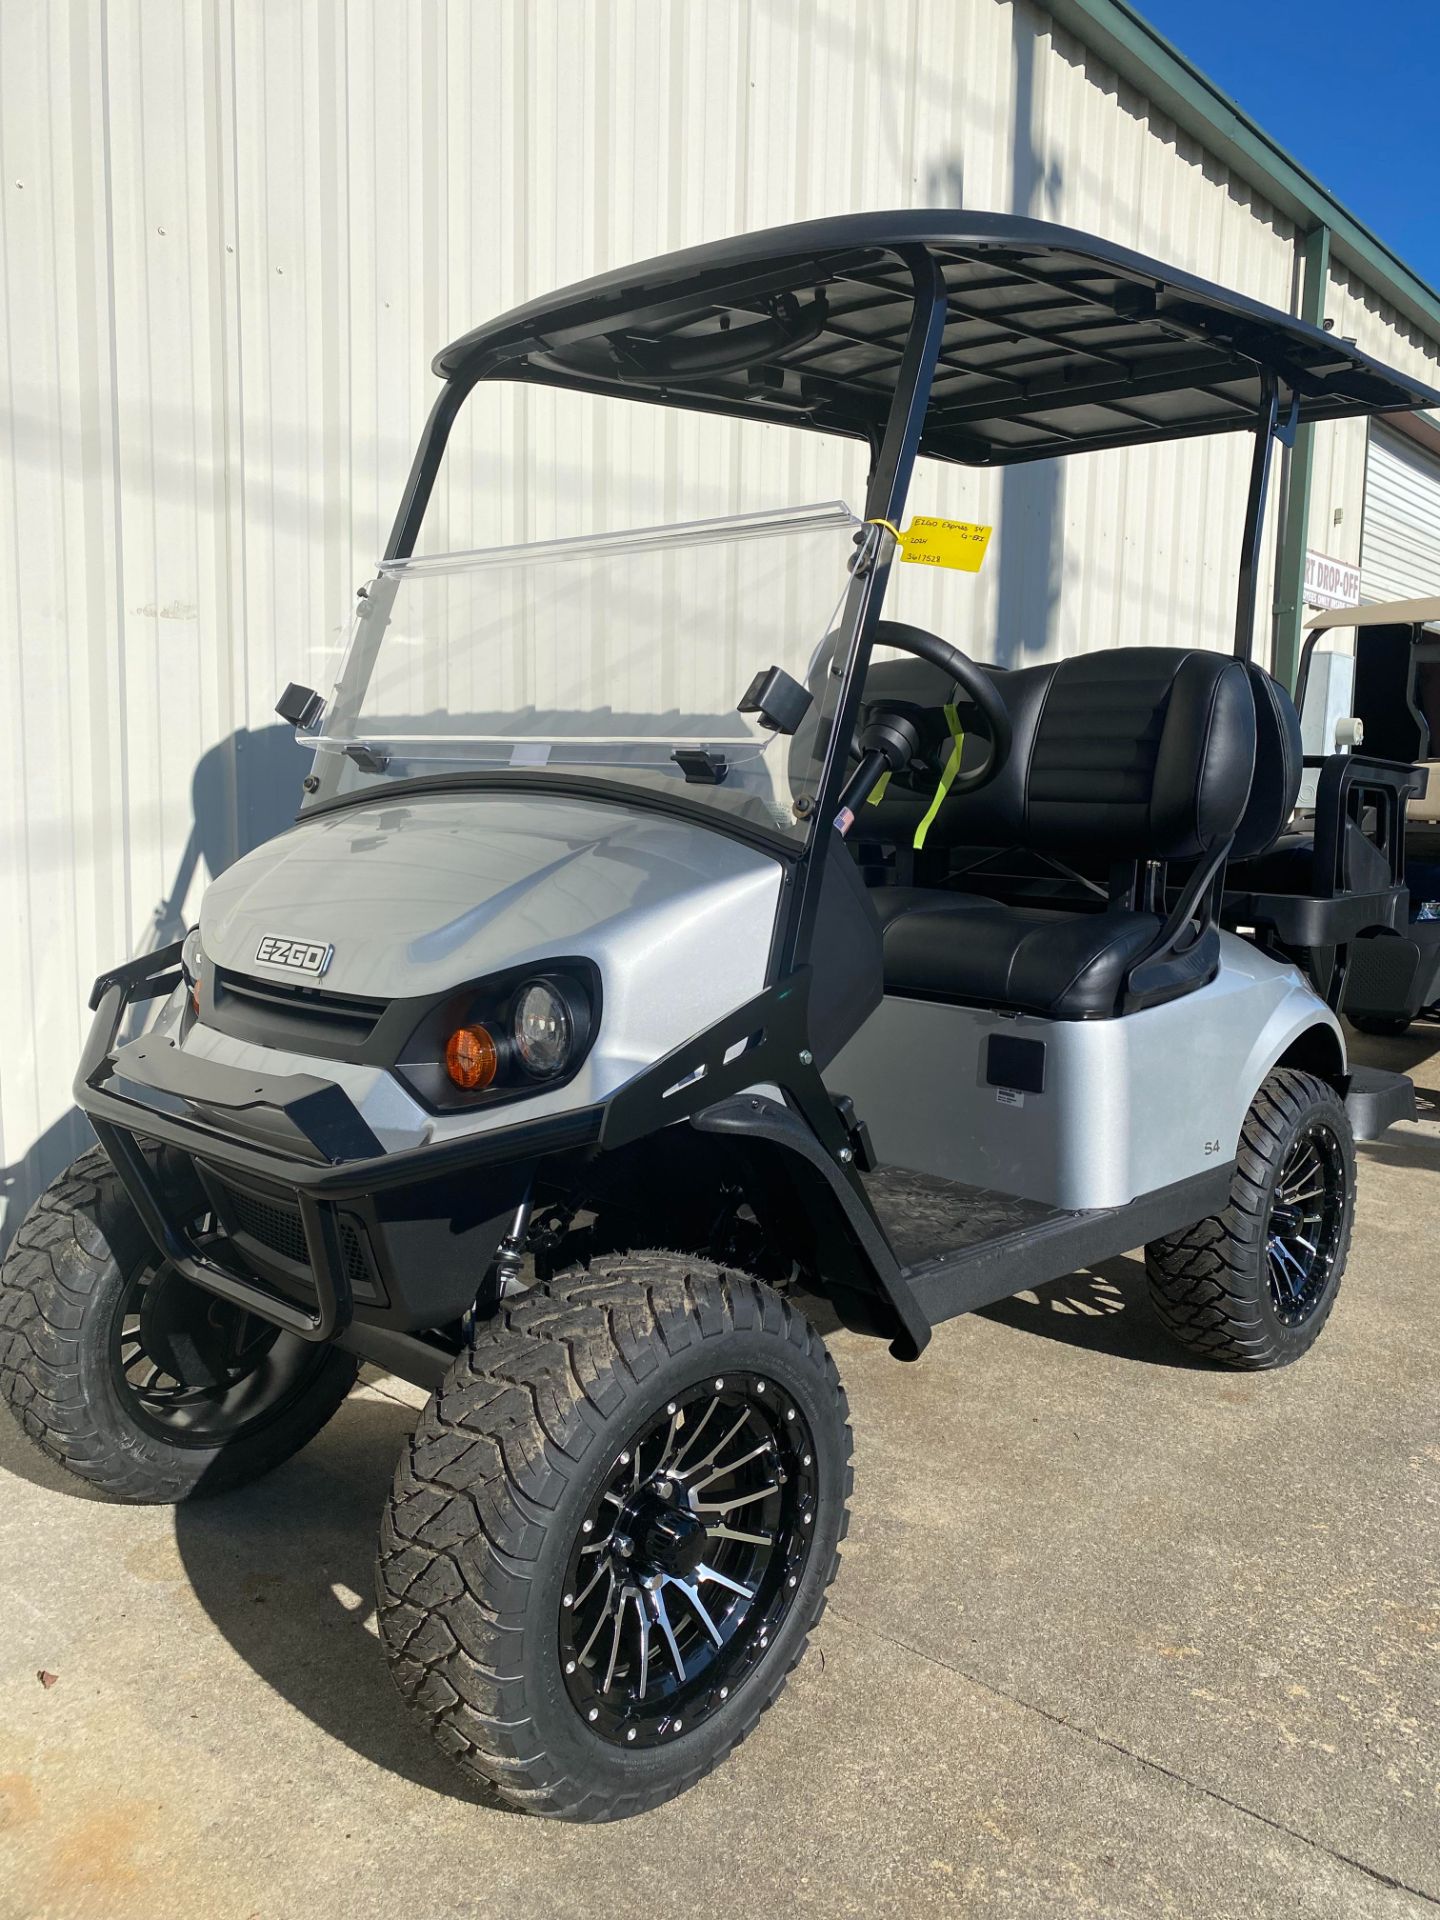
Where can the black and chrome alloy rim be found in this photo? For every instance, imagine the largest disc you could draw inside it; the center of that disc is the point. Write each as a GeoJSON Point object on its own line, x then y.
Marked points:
{"type": "Point", "coordinates": [196, 1370]}
{"type": "Point", "coordinates": [688, 1559]}
{"type": "Point", "coordinates": [1307, 1213]}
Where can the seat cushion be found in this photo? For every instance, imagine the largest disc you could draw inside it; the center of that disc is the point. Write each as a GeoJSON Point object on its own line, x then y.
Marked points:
{"type": "Point", "coordinates": [1068, 966]}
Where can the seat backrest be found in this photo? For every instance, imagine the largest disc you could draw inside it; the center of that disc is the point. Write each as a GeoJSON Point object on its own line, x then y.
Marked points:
{"type": "Point", "coordinates": [1141, 753]}
{"type": "Point", "coordinates": [1135, 753]}
{"type": "Point", "coordinates": [1279, 766]}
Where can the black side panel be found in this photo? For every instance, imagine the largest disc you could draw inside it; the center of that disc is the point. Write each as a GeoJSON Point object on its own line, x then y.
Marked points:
{"type": "Point", "coordinates": [847, 968]}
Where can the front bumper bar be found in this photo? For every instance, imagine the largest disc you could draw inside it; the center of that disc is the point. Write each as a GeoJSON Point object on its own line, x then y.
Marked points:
{"type": "Point", "coordinates": [292, 1131]}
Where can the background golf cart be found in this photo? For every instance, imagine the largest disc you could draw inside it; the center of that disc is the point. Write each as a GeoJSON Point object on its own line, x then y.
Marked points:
{"type": "Point", "coordinates": [1379, 664]}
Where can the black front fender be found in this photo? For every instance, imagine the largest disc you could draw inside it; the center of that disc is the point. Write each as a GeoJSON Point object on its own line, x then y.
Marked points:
{"type": "Point", "coordinates": [852, 1254]}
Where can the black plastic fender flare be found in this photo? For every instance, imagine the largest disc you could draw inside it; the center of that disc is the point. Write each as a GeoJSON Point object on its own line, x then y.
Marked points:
{"type": "Point", "coordinates": [756, 1117]}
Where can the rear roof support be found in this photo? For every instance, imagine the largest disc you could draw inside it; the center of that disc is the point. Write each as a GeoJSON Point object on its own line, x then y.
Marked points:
{"type": "Point", "coordinates": [1255, 516]}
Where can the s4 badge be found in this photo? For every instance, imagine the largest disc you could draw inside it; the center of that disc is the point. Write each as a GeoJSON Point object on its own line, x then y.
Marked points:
{"type": "Point", "coordinates": [294, 956]}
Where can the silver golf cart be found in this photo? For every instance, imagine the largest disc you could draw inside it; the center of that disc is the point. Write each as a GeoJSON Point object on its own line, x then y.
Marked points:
{"type": "Point", "coordinates": [666, 936]}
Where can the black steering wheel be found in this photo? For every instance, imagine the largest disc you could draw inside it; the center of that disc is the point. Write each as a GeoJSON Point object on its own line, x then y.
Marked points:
{"type": "Point", "coordinates": [891, 742]}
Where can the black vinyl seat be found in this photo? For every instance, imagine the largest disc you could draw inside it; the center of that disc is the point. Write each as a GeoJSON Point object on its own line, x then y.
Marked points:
{"type": "Point", "coordinates": [1070, 966]}
{"type": "Point", "coordinates": [1138, 754]}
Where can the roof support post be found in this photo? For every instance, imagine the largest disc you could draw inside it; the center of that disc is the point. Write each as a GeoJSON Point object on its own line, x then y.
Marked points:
{"type": "Point", "coordinates": [889, 484]}
{"type": "Point", "coordinates": [1255, 515]}
{"type": "Point", "coordinates": [420, 482]}
{"type": "Point", "coordinates": [1299, 468]}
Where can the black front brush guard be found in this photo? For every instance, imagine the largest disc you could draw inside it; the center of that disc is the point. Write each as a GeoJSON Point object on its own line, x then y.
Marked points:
{"type": "Point", "coordinates": [291, 1130]}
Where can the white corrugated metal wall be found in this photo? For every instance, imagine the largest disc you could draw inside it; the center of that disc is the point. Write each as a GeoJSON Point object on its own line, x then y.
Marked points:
{"type": "Point", "coordinates": [233, 234]}
{"type": "Point", "coordinates": [1400, 551]}
{"type": "Point", "coordinates": [1338, 487]}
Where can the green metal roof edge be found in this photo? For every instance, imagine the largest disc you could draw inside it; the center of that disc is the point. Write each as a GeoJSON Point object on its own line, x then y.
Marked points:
{"type": "Point", "coordinates": [1129, 44]}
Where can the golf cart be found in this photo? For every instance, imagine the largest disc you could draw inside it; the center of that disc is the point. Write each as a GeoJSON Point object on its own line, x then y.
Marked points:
{"type": "Point", "coordinates": [1372, 673]}
{"type": "Point", "coordinates": [664, 939]}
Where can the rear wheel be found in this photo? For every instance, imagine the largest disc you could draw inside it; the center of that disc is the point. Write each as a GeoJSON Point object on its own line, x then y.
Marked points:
{"type": "Point", "coordinates": [613, 1531]}
{"type": "Point", "coordinates": [1253, 1286]}
{"type": "Point", "coordinates": [146, 1386]}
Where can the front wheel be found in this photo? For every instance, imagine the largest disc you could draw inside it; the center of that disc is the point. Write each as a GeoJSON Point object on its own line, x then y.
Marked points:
{"type": "Point", "coordinates": [135, 1380]}
{"type": "Point", "coordinates": [1252, 1286]}
{"type": "Point", "coordinates": [613, 1531]}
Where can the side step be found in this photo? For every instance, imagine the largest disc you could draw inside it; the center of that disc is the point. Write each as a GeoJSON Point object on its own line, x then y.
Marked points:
{"type": "Point", "coordinates": [1047, 1248]}
{"type": "Point", "coordinates": [1376, 1099]}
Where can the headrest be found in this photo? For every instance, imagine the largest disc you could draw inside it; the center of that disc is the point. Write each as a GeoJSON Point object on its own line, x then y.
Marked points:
{"type": "Point", "coordinates": [1279, 764]}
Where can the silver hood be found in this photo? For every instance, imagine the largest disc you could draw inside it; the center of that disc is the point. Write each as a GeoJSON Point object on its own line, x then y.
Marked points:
{"type": "Point", "coordinates": [421, 895]}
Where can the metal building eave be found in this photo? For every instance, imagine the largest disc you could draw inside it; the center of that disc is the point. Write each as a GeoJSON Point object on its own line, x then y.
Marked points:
{"type": "Point", "coordinates": [1129, 44]}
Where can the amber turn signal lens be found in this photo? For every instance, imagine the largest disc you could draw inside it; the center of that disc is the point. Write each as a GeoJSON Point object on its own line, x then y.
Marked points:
{"type": "Point", "coordinates": [470, 1058]}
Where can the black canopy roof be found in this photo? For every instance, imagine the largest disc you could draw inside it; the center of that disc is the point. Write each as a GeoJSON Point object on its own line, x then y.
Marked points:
{"type": "Point", "coordinates": [1055, 342]}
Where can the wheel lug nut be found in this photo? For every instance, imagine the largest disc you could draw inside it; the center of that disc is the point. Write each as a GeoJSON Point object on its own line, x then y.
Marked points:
{"type": "Point", "coordinates": [664, 1489]}
{"type": "Point", "coordinates": [623, 1545]}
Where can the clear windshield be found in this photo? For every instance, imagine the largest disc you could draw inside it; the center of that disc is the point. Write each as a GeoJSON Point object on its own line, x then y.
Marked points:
{"type": "Point", "coordinates": [607, 656]}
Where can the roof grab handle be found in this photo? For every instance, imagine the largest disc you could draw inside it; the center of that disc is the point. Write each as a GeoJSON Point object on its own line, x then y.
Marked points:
{"type": "Point", "coordinates": [640, 357]}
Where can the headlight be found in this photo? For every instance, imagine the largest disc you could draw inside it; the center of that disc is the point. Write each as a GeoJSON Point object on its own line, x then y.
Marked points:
{"type": "Point", "coordinates": [504, 1037]}
{"type": "Point", "coordinates": [192, 963]}
{"type": "Point", "coordinates": [543, 1029]}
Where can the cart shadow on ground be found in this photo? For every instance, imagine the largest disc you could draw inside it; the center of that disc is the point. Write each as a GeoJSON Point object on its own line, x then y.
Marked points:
{"type": "Point", "coordinates": [285, 1570]}
{"type": "Point", "coordinates": [1105, 1309]}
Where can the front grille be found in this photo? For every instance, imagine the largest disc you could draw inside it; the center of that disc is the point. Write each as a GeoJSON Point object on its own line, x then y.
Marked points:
{"type": "Point", "coordinates": [276, 1224]}
{"type": "Point", "coordinates": [282, 1013]}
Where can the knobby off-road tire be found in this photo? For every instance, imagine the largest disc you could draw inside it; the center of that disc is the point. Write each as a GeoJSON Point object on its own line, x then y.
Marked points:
{"type": "Point", "coordinates": [67, 1290]}
{"type": "Point", "coordinates": [1253, 1286]}
{"type": "Point", "coordinates": [582, 1386]}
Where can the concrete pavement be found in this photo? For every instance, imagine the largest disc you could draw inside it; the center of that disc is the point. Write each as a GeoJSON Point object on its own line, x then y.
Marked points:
{"type": "Point", "coordinates": [1114, 1635]}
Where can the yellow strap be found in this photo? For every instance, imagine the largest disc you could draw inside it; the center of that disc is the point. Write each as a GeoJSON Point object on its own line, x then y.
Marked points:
{"type": "Point", "coordinates": [891, 528]}
{"type": "Point", "coordinates": [879, 794]}
{"type": "Point", "coordinates": [952, 767]}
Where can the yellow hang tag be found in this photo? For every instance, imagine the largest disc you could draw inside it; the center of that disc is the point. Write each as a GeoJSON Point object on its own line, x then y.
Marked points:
{"type": "Point", "coordinates": [928, 542]}
{"type": "Point", "coordinates": [944, 543]}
